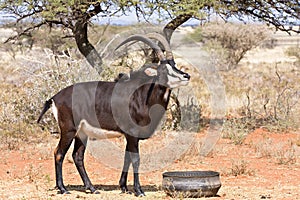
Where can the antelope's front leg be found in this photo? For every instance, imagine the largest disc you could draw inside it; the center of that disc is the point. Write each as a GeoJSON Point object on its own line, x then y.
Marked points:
{"type": "Point", "coordinates": [123, 179]}
{"type": "Point", "coordinates": [133, 147]}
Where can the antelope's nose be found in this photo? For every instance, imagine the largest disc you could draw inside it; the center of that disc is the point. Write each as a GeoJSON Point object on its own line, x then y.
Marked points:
{"type": "Point", "coordinates": [187, 76]}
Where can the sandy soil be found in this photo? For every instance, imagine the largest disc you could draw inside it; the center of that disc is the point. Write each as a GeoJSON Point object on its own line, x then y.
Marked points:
{"type": "Point", "coordinates": [265, 166]}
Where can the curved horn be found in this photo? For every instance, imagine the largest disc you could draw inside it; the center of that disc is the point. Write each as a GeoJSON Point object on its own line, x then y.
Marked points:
{"type": "Point", "coordinates": [147, 41]}
{"type": "Point", "coordinates": [164, 42]}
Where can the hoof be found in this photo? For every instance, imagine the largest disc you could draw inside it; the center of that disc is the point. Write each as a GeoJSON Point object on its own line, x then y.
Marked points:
{"type": "Point", "coordinates": [124, 190]}
{"type": "Point", "coordinates": [61, 190]}
{"type": "Point", "coordinates": [65, 192]}
{"type": "Point", "coordinates": [96, 192]}
{"type": "Point", "coordinates": [91, 189]}
{"type": "Point", "coordinates": [139, 192]}
{"type": "Point", "coordinates": [140, 195]}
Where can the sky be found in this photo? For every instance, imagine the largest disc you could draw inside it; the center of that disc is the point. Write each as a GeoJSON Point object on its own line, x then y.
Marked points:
{"type": "Point", "coordinates": [131, 18]}
{"type": "Point", "coordinates": [123, 20]}
{"type": "Point", "coordinates": [128, 19]}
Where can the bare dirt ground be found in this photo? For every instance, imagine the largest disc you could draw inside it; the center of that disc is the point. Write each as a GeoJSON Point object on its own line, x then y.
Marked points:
{"type": "Point", "coordinates": [265, 166]}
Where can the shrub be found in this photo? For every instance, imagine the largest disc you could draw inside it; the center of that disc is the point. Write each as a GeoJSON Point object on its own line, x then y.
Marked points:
{"type": "Point", "coordinates": [268, 98]}
{"type": "Point", "coordinates": [237, 129]}
{"type": "Point", "coordinates": [294, 52]}
{"type": "Point", "coordinates": [240, 167]}
{"type": "Point", "coordinates": [229, 42]}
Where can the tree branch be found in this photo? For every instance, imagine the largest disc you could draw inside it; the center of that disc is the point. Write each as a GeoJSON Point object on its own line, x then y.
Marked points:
{"type": "Point", "coordinates": [84, 45]}
{"type": "Point", "coordinates": [97, 9]}
{"type": "Point", "coordinates": [275, 13]}
{"type": "Point", "coordinates": [24, 32]}
{"type": "Point", "coordinates": [175, 23]}
{"type": "Point", "coordinates": [28, 15]}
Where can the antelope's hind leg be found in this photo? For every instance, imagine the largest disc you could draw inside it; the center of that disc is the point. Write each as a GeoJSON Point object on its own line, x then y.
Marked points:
{"type": "Point", "coordinates": [78, 157]}
{"type": "Point", "coordinates": [63, 146]}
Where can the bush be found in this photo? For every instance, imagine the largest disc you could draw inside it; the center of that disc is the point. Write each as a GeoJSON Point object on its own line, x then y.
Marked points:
{"type": "Point", "coordinates": [229, 42]}
{"type": "Point", "coordinates": [268, 98]}
{"type": "Point", "coordinates": [294, 52]}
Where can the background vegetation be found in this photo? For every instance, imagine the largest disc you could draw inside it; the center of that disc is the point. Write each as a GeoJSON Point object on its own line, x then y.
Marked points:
{"type": "Point", "coordinates": [229, 42]}
{"type": "Point", "coordinates": [259, 95]}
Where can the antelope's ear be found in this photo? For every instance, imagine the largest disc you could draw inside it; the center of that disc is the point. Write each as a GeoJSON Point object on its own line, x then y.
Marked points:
{"type": "Point", "coordinates": [151, 71]}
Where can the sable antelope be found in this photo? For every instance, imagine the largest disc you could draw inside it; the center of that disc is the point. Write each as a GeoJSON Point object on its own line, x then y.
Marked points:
{"type": "Point", "coordinates": [132, 106]}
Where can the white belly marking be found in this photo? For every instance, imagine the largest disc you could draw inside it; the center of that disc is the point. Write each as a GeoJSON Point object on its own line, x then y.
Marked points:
{"type": "Point", "coordinates": [96, 133]}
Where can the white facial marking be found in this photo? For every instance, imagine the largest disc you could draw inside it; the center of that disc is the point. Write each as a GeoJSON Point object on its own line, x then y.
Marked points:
{"type": "Point", "coordinates": [166, 95]}
{"type": "Point", "coordinates": [175, 79]}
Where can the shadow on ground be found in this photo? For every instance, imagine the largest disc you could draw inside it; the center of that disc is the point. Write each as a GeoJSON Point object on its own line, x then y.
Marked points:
{"type": "Point", "coordinates": [81, 188]}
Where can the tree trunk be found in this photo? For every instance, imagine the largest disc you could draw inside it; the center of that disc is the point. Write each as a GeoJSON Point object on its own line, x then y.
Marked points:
{"type": "Point", "coordinates": [85, 47]}
{"type": "Point", "coordinates": [175, 23]}
{"type": "Point", "coordinates": [168, 31]}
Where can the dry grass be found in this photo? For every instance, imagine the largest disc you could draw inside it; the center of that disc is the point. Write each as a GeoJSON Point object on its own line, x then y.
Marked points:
{"type": "Point", "coordinates": [281, 152]}
{"type": "Point", "coordinates": [240, 167]}
{"type": "Point", "coordinates": [266, 96]}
